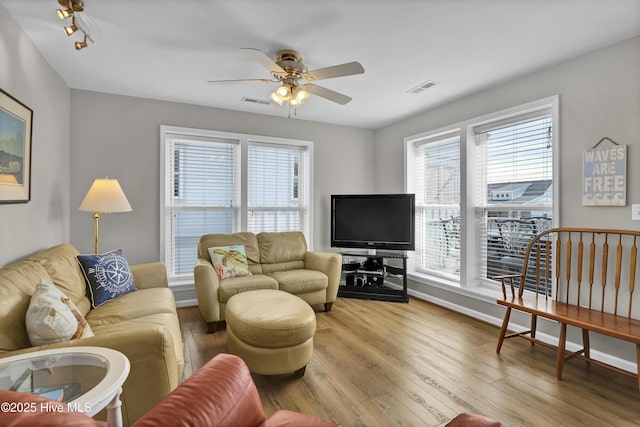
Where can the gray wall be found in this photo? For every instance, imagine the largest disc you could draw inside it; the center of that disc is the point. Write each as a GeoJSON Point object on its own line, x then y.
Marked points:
{"type": "Point", "coordinates": [599, 96]}
{"type": "Point", "coordinates": [25, 75]}
{"type": "Point", "coordinates": [119, 137]}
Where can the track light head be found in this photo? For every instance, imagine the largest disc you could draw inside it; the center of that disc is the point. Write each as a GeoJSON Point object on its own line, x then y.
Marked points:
{"type": "Point", "coordinates": [64, 14]}
{"type": "Point", "coordinates": [71, 28]}
{"type": "Point", "coordinates": [81, 44]}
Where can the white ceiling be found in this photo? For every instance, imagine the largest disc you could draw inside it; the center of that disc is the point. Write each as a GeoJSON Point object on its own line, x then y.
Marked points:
{"type": "Point", "coordinates": [167, 50]}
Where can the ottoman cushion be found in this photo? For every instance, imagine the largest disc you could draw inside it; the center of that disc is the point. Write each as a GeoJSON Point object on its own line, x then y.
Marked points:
{"type": "Point", "coordinates": [270, 318]}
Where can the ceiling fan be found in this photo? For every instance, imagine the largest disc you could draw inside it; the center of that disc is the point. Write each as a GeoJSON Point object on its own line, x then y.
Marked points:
{"type": "Point", "coordinates": [288, 69]}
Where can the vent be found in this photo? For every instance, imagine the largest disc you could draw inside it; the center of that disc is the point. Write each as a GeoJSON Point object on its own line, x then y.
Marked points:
{"type": "Point", "coordinates": [422, 87]}
{"type": "Point", "coordinates": [256, 101]}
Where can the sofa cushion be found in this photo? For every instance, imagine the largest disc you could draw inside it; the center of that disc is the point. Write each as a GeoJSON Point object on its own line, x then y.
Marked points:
{"type": "Point", "coordinates": [247, 239]}
{"type": "Point", "coordinates": [236, 285]}
{"type": "Point", "coordinates": [18, 282]}
{"type": "Point", "coordinates": [133, 305]}
{"type": "Point", "coordinates": [52, 317]}
{"type": "Point", "coordinates": [65, 273]}
{"type": "Point", "coordinates": [301, 281]}
{"type": "Point", "coordinates": [108, 276]}
{"type": "Point", "coordinates": [229, 261]}
{"type": "Point", "coordinates": [279, 247]}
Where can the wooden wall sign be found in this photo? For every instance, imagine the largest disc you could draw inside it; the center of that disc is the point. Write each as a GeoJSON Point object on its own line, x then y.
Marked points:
{"type": "Point", "coordinates": [604, 181]}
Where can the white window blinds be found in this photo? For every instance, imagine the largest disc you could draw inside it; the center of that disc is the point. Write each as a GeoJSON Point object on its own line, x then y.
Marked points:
{"type": "Point", "coordinates": [201, 195]}
{"type": "Point", "coordinates": [437, 188]}
{"type": "Point", "coordinates": [276, 199]}
{"type": "Point", "coordinates": [514, 165]}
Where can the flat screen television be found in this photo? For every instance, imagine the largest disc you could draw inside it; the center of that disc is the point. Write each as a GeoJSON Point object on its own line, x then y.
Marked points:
{"type": "Point", "coordinates": [373, 221]}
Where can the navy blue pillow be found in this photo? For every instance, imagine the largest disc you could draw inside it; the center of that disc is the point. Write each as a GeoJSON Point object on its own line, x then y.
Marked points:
{"type": "Point", "coordinates": [108, 276]}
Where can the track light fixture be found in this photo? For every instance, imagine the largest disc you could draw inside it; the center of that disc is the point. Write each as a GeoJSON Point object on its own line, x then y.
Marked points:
{"type": "Point", "coordinates": [69, 10]}
{"type": "Point", "coordinates": [64, 14]}
{"type": "Point", "coordinates": [81, 44]}
{"type": "Point", "coordinates": [71, 28]}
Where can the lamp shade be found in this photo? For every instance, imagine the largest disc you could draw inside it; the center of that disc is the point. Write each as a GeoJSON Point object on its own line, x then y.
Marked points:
{"type": "Point", "coordinates": [104, 196]}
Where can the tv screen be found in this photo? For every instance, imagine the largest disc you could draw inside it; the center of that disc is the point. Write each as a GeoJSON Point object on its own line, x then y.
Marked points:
{"type": "Point", "coordinates": [373, 221]}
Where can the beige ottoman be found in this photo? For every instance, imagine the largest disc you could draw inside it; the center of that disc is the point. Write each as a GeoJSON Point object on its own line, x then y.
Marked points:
{"type": "Point", "coordinates": [271, 330]}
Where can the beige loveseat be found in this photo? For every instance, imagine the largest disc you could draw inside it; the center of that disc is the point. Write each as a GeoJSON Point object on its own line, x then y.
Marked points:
{"type": "Point", "coordinates": [277, 260]}
{"type": "Point", "coordinates": [142, 324]}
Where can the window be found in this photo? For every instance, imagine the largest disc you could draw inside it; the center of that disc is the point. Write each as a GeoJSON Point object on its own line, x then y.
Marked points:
{"type": "Point", "coordinates": [514, 167]}
{"type": "Point", "coordinates": [206, 189]}
{"type": "Point", "coordinates": [437, 189]}
{"type": "Point", "coordinates": [483, 189]}
{"type": "Point", "coordinates": [275, 202]}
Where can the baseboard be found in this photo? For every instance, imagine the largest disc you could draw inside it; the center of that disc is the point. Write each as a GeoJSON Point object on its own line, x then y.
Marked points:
{"type": "Point", "coordinates": [571, 346]}
{"type": "Point", "coordinates": [187, 303]}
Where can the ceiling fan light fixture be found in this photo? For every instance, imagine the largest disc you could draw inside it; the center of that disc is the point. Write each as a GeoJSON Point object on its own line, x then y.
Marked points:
{"type": "Point", "coordinates": [276, 98]}
{"type": "Point", "coordinates": [284, 91]}
{"type": "Point", "coordinates": [300, 94]}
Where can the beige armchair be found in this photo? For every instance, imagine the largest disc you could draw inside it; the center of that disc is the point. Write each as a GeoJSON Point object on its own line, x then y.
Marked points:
{"type": "Point", "coordinates": [277, 260]}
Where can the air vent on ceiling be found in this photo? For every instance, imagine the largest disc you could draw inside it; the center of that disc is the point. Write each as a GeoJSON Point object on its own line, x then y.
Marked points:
{"type": "Point", "coordinates": [257, 101]}
{"type": "Point", "coordinates": [422, 87]}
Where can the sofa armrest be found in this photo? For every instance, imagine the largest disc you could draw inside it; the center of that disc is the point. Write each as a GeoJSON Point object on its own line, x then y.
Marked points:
{"type": "Point", "coordinates": [207, 285]}
{"type": "Point", "coordinates": [150, 275]}
{"type": "Point", "coordinates": [221, 393]}
{"type": "Point", "coordinates": [329, 263]}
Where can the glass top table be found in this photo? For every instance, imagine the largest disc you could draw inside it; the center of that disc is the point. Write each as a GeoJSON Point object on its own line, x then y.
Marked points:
{"type": "Point", "coordinates": [87, 379]}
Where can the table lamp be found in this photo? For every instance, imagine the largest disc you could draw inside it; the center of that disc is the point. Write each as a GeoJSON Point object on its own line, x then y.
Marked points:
{"type": "Point", "coordinates": [104, 197]}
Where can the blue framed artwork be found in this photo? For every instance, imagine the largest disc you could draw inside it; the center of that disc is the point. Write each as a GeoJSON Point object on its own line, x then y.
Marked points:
{"type": "Point", "coordinates": [15, 150]}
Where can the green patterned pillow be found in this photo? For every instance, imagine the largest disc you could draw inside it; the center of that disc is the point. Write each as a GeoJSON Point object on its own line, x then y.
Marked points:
{"type": "Point", "coordinates": [229, 261]}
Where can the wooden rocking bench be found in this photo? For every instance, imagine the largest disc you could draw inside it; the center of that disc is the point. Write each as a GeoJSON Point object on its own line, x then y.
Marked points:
{"type": "Point", "coordinates": [580, 277]}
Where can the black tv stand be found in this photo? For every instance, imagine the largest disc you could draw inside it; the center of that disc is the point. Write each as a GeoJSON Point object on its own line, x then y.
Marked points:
{"type": "Point", "coordinates": [365, 275]}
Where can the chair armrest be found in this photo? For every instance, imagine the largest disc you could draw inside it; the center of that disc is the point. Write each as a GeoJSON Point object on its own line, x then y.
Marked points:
{"type": "Point", "coordinates": [150, 275]}
{"type": "Point", "coordinates": [222, 392]}
{"type": "Point", "coordinates": [207, 284]}
{"type": "Point", "coordinates": [329, 263]}
{"type": "Point", "coordinates": [508, 278]}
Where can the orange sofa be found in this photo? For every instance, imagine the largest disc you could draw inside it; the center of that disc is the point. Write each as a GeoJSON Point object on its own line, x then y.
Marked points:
{"type": "Point", "coordinates": [220, 394]}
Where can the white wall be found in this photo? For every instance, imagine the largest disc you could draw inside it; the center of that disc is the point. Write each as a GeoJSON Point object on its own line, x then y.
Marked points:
{"type": "Point", "coordinates": [25, 75]}
{"type": "Point", "coordinates": [599, 96]}
{"type": "Point", "coordinates": [119, 137]}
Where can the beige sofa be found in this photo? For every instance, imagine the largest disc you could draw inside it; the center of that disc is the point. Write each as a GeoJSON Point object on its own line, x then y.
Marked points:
{"type": "Point", "coordinates": [142, 324]}
{"type": "Point", "coordinates": [277, 260]}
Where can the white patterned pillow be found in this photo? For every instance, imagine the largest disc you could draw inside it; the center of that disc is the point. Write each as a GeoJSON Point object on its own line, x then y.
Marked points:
{"type": "Point", "coordinates": [229, 261]}
{"type": "Point", "coordinates": [52, 317]}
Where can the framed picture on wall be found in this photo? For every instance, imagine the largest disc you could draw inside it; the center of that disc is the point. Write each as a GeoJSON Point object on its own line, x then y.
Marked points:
{"type": "Point", "coordinates": [15, 150]}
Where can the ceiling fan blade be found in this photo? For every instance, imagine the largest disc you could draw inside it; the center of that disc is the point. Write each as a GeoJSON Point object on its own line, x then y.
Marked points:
{"type": "Point", "coordinates": [325, 93]}
{"type": "Point", "coordinates": [216, 82]}
{"type": "Point", "coordinates": [263, 59]}
{"type": "Point", "coordinates": [348, 69]}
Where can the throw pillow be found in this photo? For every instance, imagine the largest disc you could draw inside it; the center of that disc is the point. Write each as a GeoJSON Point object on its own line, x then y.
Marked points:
{"type": "Point", "coordinates": [52, 317]}
{"type": "Point", "coordinates": [107, 275]}
{"type": "Point", "coordinates": [229, 261]}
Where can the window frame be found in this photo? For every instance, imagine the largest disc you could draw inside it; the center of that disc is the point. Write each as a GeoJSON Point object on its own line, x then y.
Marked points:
{"type": "Point", "coordinates": [469, 243]}
{"type": "Point", "coordinates": [242, 209]}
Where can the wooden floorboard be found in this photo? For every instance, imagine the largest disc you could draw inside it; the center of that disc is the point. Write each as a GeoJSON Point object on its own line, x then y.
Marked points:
{"type": "Point", "coordinates": [390, 364]}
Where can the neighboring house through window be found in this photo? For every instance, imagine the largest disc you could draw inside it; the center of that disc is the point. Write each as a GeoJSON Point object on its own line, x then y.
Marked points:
{"type": "Point", "coordinates": [219, 182]}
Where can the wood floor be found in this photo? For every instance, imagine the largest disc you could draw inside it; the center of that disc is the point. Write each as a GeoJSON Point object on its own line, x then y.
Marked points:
{"type": "Point", "coordinates": [390, 364]}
